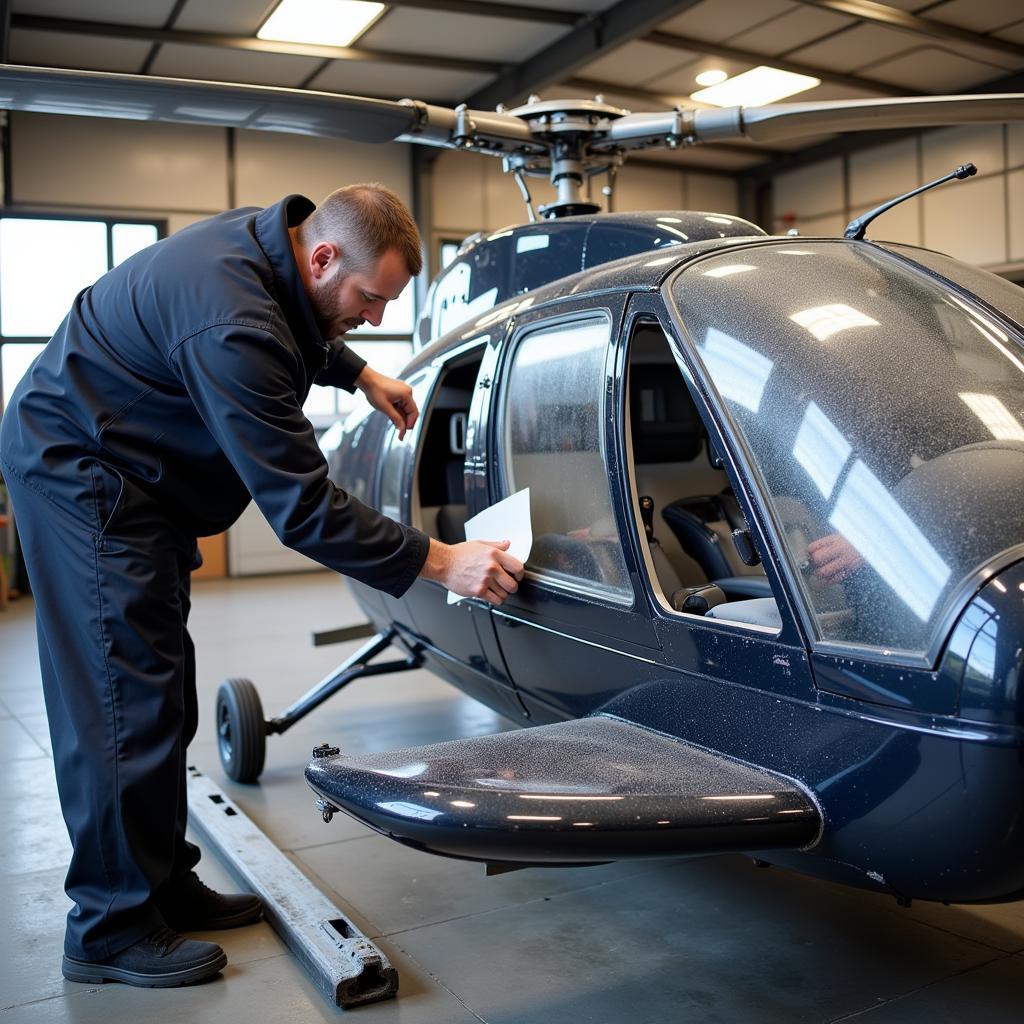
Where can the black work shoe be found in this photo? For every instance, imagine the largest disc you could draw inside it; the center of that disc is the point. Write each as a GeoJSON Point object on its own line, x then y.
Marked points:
{"type": "Point", "coordinates": [190, 906]}
{"type": "Point", "coordinates": [163, 959]}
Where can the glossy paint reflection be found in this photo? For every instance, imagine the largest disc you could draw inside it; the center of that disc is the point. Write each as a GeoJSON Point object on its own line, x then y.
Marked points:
{"type": "Point", "coordinates": [636, 793]}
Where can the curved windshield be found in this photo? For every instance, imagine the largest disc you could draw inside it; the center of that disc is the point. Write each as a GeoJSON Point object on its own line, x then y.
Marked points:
{"type": "Point", "coordinates": [885, 416]}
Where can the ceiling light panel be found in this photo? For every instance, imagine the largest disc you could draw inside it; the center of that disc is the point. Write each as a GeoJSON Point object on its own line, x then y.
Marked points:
{"type": "Point", "coordinates": [756, 87]}
{"type": "Point", "coordinates": [713, 76]}
{"type": "Point", "coordinates": [323, 22]}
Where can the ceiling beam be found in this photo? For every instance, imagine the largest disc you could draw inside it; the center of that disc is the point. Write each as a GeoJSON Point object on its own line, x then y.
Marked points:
{"type": "Point", "coordinates": [155, 48]}
{"type": "Point", "coordinates": [868, 10]}
{"type": "Point", "coordinates": [518, 12]}
{"type": "Point", "coordinates": [594, 36]}
{"type": "Point", "coordinates": [110, 30]}
{"type": "Point", "coordinates": [699, 46]}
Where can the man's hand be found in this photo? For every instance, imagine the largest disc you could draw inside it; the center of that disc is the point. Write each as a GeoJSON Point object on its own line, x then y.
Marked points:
{"type": "Point", "coordinates": [833, 558]}
{"type": "Point", "coordinates": [476, 568]}
{"type": "Point", "coordinates": [392, 397]}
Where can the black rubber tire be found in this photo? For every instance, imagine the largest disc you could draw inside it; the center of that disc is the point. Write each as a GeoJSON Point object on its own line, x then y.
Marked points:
{"type": "Point", "coordinates": [241, 730]}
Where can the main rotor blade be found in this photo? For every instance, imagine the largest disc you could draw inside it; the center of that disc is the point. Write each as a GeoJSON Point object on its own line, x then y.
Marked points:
{"type": "Point", "coordinates": [792, 120]}
{"type": "Point", "coordinates": [146, 98]}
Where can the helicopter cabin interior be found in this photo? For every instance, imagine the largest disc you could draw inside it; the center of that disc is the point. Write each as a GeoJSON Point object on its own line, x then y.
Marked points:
{"type": "Point", "coordinates": [684, 508]}
{"type": "Point", "coordinates": [439, 485]}
{"type": "Point", "coordinates": [686, 511]}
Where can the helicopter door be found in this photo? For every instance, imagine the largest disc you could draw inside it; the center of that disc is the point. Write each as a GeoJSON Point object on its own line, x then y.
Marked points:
{"type": "Point", "coordinates": [720, 611]}
{"type": "Point", "coordinates": [438, 506]}
{"type": "Point", "coordinates": [576, 632]}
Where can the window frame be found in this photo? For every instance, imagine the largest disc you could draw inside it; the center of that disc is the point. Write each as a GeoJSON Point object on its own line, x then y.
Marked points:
{"type": "Point", "coordinates": [642, 312]}
{"type": "Point", "coordinates": [628, 599]}
{"type": "Point", "coordinates": [109, 221]}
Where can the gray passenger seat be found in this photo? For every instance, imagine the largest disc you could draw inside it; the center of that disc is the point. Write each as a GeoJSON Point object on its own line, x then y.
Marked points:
{"type": "Point", "coordinates": [699, 524]}
{"type": "Point", "coordinates": [761, 611]}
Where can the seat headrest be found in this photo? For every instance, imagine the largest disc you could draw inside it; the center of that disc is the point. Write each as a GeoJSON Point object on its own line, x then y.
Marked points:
{"type": "Point", "coordinates": [665, 423]}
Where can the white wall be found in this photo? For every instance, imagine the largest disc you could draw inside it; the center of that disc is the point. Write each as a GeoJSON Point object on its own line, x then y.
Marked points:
{"type": "Point", "coordinates": [979, 220]}
{"type": "Point", "coordinates": [470, 193]}
{"type": "Point", "coordinates": [182, 174]}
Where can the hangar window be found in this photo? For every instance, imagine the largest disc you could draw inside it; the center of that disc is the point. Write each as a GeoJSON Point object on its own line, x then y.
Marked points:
{"type": "Point", "coordinates": [32, 305]}
{"type": "Point", "coordinates": [554, 442]}
{"type": "Point", "coordinates": [326, 406]}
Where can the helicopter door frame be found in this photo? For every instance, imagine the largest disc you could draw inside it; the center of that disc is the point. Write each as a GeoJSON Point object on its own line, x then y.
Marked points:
{"type": "Point", "coordinates": [457, 641]}
{"type": "Point", "coordinates": [568, 649]}
{"type": "Point", "coordinates": [733, 651]}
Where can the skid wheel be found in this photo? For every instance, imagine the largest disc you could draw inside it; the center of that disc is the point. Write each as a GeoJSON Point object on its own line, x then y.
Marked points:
{"type": "Point", "coordinates": [241, 730]}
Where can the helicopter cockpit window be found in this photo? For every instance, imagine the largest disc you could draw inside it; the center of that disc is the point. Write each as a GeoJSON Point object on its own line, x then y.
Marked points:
{"type": "Point", "coordinates": [884, 414]}
{"type": "Point", "coordinates": [996, 291]}
{"type": "Point", "coordinates": [545, 254]}
{"type": "Point", "coordinates": [468, 288]}
{"type": "Point", "coordinates": [554, 444]}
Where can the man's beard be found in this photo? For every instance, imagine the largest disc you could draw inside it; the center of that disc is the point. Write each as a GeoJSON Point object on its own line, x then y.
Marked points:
{"type": "Point", "coordinates": [328, 312]}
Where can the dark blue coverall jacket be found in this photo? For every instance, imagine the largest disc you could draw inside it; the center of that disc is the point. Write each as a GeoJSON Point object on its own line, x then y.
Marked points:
{"type": "Point", "coordinates": [171, 392]}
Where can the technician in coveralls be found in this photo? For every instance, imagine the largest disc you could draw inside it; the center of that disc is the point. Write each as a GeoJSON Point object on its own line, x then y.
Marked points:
{"type": "Point", "coordinates": [170, 394]}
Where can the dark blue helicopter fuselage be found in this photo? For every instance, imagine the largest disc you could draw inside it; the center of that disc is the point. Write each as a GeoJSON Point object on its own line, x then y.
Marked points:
{"type": "Point", "coordinates": [917, 764]}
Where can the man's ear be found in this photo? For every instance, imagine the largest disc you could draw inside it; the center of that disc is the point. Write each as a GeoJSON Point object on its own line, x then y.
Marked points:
{"type": "Point", "coordinates": [322, 258]}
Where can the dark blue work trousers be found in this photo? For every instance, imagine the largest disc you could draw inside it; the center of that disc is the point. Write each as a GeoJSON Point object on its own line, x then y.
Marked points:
{"type": "Point", "coordinates": [111, 586]}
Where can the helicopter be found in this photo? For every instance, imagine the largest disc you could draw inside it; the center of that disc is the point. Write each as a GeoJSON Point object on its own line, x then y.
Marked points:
{"type": "Point", "coordinates": [774, 599]}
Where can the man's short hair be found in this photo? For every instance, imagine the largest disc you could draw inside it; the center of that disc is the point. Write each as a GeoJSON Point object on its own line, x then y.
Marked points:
{"type": "Point", "coordinates": [364, 221]}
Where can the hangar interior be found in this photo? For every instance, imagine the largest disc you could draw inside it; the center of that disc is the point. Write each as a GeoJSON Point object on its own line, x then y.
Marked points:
{"type": "Point", "coordinates": [703, 939]}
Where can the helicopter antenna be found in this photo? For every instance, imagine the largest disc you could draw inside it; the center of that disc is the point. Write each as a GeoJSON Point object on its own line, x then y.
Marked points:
{"type": "Point", "coordinates": [856, 228]}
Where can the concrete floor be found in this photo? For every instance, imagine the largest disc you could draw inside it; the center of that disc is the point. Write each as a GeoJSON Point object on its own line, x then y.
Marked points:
{"type": "Point", "coordinates": [712, 940]}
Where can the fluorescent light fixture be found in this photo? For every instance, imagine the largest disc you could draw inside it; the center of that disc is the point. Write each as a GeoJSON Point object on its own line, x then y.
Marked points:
{"type": "Point", "coordinates": [729, 269]}
{"type": "Point", "coordinates": [824, 321]}
{"type": "Point", "coordinates": [557, 796]}
{"type": "Point", "coordinates": [323, 22]}
{"type": "Point", "coordinates": [871, 519]}
{"type": "Point", "coordinates": [739, 373]}
{"type": "Point", "coordinates": [405, 771]}
{"type": "Point", "coordinates": [821, 449]}
{"type": "Point", "coordinates": [408, 809]}
{"type": "Point", "coordinates": [1002, 424]}
{"type": "Point", "coordinates": [758, 86]}
{"type": "Point", "coordinates": [528, 243]}
{"type": "Point", "coordinates": [713, 77]}
{"type": "Point", "coordinates": [989, 332]}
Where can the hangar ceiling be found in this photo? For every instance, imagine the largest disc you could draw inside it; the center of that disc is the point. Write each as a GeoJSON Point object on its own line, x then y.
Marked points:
{"type": "Point", "coordinates": [640, 54]}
